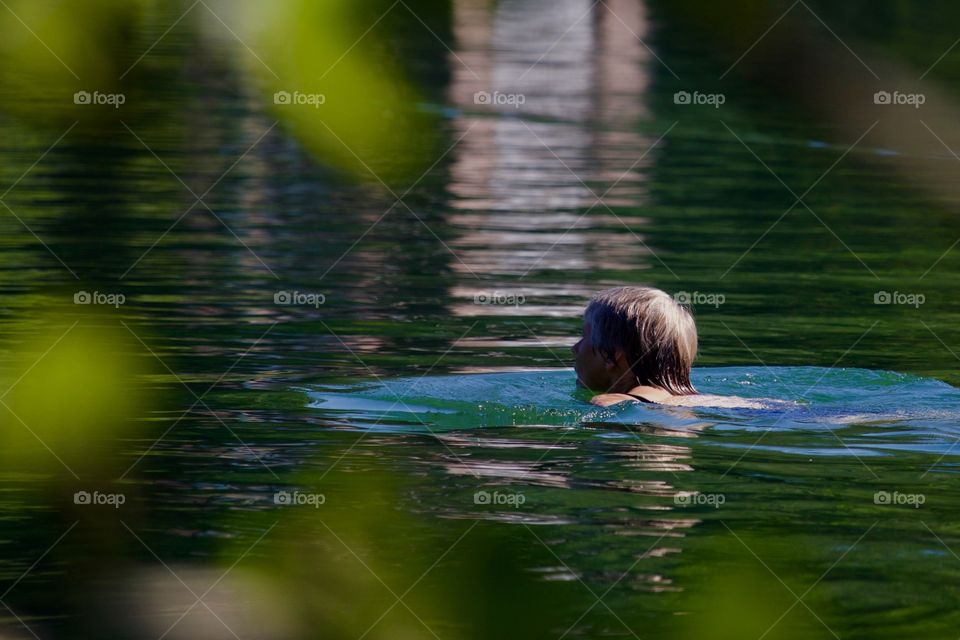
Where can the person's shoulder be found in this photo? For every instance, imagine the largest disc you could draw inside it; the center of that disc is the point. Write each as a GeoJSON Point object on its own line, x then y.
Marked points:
{"type": "Point", "coordinates": [712, 401]}
{"type": "Point", "coordinates": [694, 400]}
{"type": "Point", "coordinates": [607, 399]}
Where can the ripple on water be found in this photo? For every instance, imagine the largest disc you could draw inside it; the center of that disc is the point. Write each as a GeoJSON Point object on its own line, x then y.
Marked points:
{"type": "Point", "coordinates": [838, 411]}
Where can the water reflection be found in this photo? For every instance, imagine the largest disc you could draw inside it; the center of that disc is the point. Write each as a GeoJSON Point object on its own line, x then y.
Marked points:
{"type": "Point", "coordinates": [551, 96]}
{"type": "Point", "coordinates": [567, 459]}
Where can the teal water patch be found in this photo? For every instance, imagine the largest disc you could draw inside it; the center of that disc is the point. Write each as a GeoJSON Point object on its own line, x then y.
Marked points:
{"type": "Point", "coordinates": [462, 401]}
{"type": "Point", "coordinates": [794, 398]}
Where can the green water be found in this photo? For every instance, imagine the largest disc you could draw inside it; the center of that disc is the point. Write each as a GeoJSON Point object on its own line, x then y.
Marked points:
{"type": "Point", "coordinates": [840, 490]}
{"type": "Point", "coordinates": [635, 522]}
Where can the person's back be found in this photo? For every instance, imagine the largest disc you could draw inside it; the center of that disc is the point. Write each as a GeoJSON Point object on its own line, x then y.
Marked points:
{"type": "Point", "coordinates": [639, 344]}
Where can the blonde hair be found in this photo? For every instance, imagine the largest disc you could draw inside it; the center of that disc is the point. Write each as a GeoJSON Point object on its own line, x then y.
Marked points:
{"type": "Point", "coordinates": [655, 333]}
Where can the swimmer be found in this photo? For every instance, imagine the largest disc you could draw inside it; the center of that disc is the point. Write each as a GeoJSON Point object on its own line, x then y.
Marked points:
{"type": "Point", "coordinates": [639, 344]}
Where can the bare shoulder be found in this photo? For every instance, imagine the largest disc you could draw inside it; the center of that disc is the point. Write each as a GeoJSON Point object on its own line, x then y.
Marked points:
{"type": "Point", "coordinates": [703, 400]}
{"type": "Point", "coordinates": [711, 401]}
{"type": "Point", "coordinates": [607, 399]}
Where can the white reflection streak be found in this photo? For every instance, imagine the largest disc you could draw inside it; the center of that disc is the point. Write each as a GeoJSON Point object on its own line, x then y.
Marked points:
{"type": "Point", "coordinates": [584, 100]}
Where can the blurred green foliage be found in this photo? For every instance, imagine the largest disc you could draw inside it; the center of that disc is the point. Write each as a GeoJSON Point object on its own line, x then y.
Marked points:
{"type": "Point", "coordinates": [82, 391]}
{"type": "Point", "coordinates": [369, 120]}
{"type": "Point", "coordinates": [71, 394]}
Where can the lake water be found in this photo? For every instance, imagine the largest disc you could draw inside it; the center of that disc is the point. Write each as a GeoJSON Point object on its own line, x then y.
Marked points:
{"type": "Point", "coordinates": [405, 436]}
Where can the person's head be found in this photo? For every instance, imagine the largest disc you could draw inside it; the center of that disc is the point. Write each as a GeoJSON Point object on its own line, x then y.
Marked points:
{"type": "Point", "coordinates": [636, 336]}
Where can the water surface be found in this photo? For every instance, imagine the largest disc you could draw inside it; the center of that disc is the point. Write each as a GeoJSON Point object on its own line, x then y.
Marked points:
{"type": "Point", "coordinates": [438, 356]}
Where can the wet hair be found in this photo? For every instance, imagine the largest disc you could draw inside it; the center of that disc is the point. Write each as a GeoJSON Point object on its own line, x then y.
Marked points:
{"type": "Point", "coordinates": [656, 334]}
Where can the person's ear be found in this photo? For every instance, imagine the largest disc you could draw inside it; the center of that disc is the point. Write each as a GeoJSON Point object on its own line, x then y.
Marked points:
{"type": "Point", "coordinates": [619, 361]}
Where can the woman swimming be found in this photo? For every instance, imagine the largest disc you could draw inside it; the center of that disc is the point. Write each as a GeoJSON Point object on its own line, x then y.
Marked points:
{"type": "Point", "coordinates": [639, 343]}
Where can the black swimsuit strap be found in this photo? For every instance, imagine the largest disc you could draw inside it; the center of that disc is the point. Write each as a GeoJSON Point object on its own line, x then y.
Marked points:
{"type": "Point", "coordinates": [640, 398]}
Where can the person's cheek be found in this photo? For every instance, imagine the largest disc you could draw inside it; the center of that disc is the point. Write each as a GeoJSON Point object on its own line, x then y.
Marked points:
{"type": "Point", "coordinates": [589, 373]}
